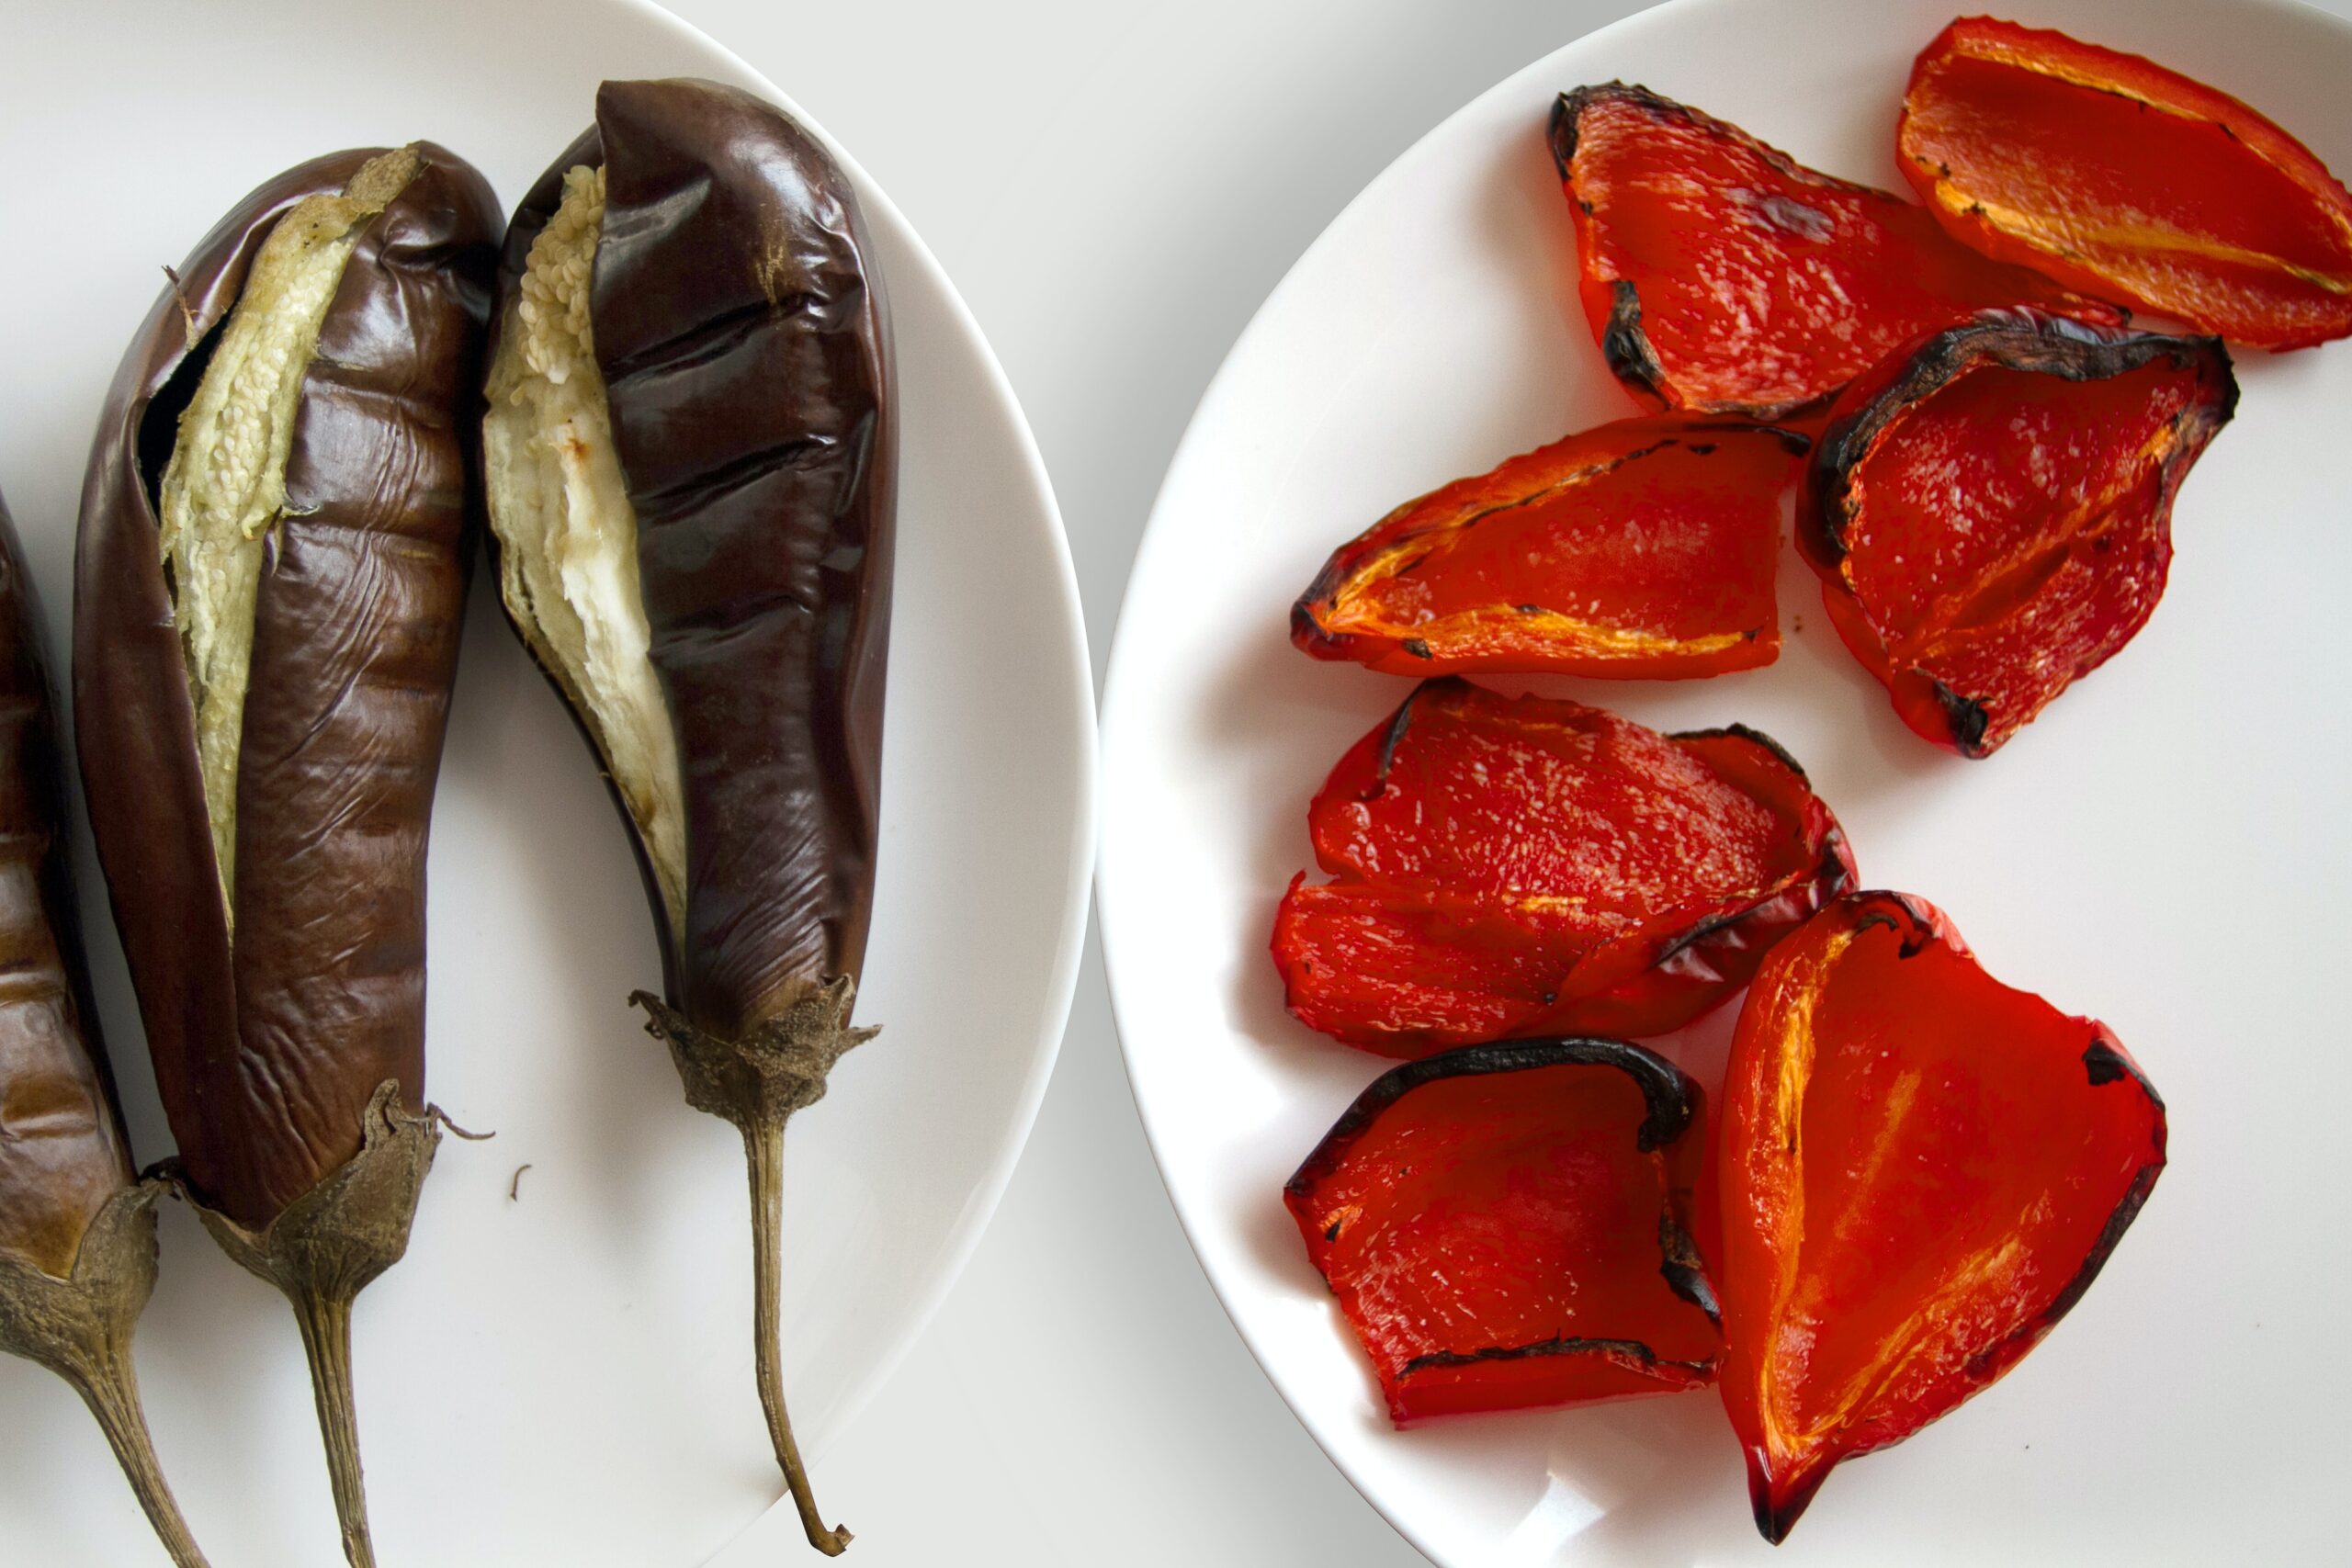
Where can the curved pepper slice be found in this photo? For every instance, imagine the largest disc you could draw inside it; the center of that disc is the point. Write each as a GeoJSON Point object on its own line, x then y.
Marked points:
{"type": "Point", "coordinates": [1528, 866]}
{"type": "Point", "coordinates": [1508, 1226]}
{"type": "Point", "coordinates": [1991, 513]}
{"type": "Point", "coordinates": [1721, 275]}
{"type": "Point", "coordinates": [1645, 549]}
{"type": "Point", "coordinates": [1922, 1171]}
{"type": "Point", "coordinates": [2115, 175]}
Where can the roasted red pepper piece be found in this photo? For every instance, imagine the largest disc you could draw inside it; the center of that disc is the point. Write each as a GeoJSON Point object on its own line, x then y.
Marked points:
{"type": "Point", "coordinates": [1721, 275]}
{"type": "Point", "coordinates": [2034, 147]}
{"type": "Point", "coordinates": [1991, 512]}
{"type": "Point", "coordinates": [1508, 1226]}
{"type": "Point", "coordinates": [1922, 1171]}
{"type": "Point", "coordinates": [1645, 549]}
{"type": "Point", "coordinates": [1528, 866]}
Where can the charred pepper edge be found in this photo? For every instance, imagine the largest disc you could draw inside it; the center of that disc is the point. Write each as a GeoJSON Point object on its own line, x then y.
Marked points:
{"type": "Point", "coordinates": [1670, 1098]}
{"type": "Point", "coordinates": [1624, 345]}
{"type": "Point", "coordinates": [1620, 1351]}
{"type": "Point", "coordinates": [1966, 718]}
{"type": "Point", "coordinates": [1668, 1094]}
{"type": "Point", "coordinates": [1736, 731]}
{"type": "Point", "coordinates": [2021, 338]}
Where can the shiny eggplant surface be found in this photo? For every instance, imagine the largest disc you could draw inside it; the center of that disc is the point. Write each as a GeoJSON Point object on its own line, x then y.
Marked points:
{"type": "Point", "coordinates": [270, 579]}
{"type": "Point", "coordinates": [689, 454]}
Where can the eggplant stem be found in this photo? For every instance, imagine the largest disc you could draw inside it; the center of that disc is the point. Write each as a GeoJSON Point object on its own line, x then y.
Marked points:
{"type": "Point", "coordinates": [109, 1384]}
{"type": "Point", "coordinates": [756, 1082]}
{"type": "Point", "coordinates": [324, 1318]}
{"type": "Point", "coordinates": [764, 1152]}
{"type": "Point", "coordinates": [325, 1247]}
{"type": "Point", "coordinates": [81, 1328]}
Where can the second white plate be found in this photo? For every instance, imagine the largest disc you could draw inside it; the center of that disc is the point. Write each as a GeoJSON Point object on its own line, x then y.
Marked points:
{"type": "Point", "coordinates": [2167, 848]}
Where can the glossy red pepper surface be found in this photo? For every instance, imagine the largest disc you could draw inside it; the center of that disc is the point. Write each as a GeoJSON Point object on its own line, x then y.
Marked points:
{"type": "Point", "coordinates": [1722, 276]}
{"type": "Point", "coordinates": [1921, 1172]}
{"type": "Point", "coordinates": [1517, 867]}
{"type": "Point", "coordinates": [2122, 179]}
{"type": "Point", "coordinates": [1642, 549]}
{"type": "Point", "coordinates": [1991, 512]}
{"type": "Point", "coordinates": [1508, 1226]}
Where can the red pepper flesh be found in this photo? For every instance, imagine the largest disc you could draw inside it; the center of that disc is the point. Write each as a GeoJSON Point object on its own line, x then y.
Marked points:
{"type": "Point", "coordinates": [1922, 1171]}
{"type": "Point", "coordinates": [1643, 550]}
{"type": "Point", "coordinates": [1722, 276]}
{"type": "Point", "coordinates": [2120, 178]}
{"type": "Point", "coordinates": [1517, 867]}
{"type": "Point", "coordinates": [1507, 1226]}
{"type": "Point", "coordinates": [1991, 512]}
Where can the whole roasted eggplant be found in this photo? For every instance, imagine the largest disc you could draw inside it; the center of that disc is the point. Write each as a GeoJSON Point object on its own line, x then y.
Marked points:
{"type": "Point", "coordinates": [276, 527]}
{"type": "Point", "coordinates": [77, 1226]}
{"type": "Point", "coordinates": [689, 456]}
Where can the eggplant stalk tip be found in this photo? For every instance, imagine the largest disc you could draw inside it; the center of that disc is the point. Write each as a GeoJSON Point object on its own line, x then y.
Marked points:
{"type": "Point", "coordinates": [566, 532]}
{"type": "Point", "coordinates": [80, 1328]}
{"type": "Point", "coordinates": [322, 1251]}
{"type": "Point", "coordinates": [757, 1083]}
{"type": "Point", "coordinates": [224, 488]}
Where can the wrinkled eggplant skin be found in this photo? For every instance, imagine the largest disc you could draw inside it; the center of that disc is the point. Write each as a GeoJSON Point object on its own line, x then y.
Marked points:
{"type": "Point", "coordinates": [741, 329]}
{"type": "Point", "coordinates": [266, 1052]}
{"type": "Point", "coordinates": [63, 1154]}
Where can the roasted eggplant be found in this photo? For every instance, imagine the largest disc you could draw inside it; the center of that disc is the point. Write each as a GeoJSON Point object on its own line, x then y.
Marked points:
{"type": "Point", "coordinates": [77, 1226]}
{"type": "Point", "coordinates": [689, 453]}
{"type": "Point", "coordinates": [270, 584]}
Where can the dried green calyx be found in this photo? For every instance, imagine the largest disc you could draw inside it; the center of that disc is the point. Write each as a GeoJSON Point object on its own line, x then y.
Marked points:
{"type": "Point", "coordinates": [224, 488]}
{"type": "Point", "coordinates": [566, 532]}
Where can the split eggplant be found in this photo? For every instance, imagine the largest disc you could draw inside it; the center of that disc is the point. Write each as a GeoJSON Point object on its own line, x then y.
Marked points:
{"type": "Point", "coordinates": [689, 456]}
{"type": "Point", "coordinates": [269, 583]}
{"type": "Point", "coordinates": [77, 1226]}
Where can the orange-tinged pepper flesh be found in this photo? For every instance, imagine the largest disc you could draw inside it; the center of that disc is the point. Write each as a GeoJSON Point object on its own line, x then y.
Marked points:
{"type": "Point", "coordinates": [1644, 549]}
{"type": "Point", "coordinates": [1921, 1172]}
{"type": "Point", "coordinates": [2123, 179]}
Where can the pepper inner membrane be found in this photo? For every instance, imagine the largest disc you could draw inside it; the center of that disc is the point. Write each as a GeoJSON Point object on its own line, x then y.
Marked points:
{"type": "Point", "coordinates": [566, 532]}
{"type": "Point", "coordinates": [224, 491]}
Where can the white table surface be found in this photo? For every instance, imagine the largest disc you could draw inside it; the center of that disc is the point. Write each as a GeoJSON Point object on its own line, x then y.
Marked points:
{"type": "Point", "coordinates": [1114, 188]}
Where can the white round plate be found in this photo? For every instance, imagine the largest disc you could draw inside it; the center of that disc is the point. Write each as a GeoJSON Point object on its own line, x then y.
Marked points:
{"type": "Point", "coordinates": [2167, 848]}
{"type": "Point", "coordinates": [560, 1371]}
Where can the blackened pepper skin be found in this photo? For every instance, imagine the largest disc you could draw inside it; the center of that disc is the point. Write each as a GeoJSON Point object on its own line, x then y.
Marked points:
{"type": "Point", "coordinates": [291, 1056]}
{"type": "Point", "coordinates": [77, 1226]}
{"type": "Point", "coordinates": [740, 330]}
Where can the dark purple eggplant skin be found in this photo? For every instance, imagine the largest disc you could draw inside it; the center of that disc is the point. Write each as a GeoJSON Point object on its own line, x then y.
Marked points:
{"type": "Point", "coordinates": [742, 331]}
{"type": "Point", "coordinates": [268, 1050]}
{"type": "Point", "coordinates": [63, 1153]}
